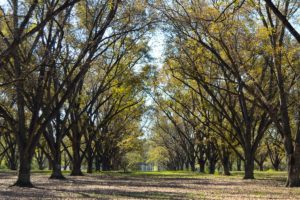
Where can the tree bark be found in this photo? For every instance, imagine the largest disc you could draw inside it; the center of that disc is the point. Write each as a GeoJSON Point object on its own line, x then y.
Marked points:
{"type": "Point", "coordinates": [201, 160]}
{"type": "Point", "coordinates": [192, 164]}
{"type": "Point", "coordinates": [90, 159]}
{"type": "Point", "coordinates": [181, 166]}
{"type": "Point", "coordinates": [49, 164]}
{"type": "Point", "coordinates": [238, 164]}
{"type": "Point", "coordinates": [293, 161]}
{"type": "Point", "coordinates": [24, 170]}
{"type": "Point", "coordinates": [97, 163]}
{"type": "Point", "coordinates": [56, 171]}
{"type": "Point", "coordinates": [76, 169]}
{"type": "Point", "coordinates": [11, 156]}
{"type": "Point", "coordinates": [212, 167]}
{"type": "Point", "coordinates": [202, 166]}
{"type": "Point", "coordinates": [105, 164]}
{"type": "Point", "coordinates": [276, 165]}
{"type": "Point", "coordinates": [90, 166]}
{"type": "Point", "coordinates": [249, 166]}
{"type": "Point", "coordinates": [76, 165]}
{"type": "Point", "coordinates": [12, 162]}
{"type": "Point", "coordinates": [187, 166]}
{"type": "Point", "coordinates": [56, 163]}
{"type": "Point", "coordinates": [226, 166]}
{"type": "Point", "coordinates": [225, 160]}
{"type": "Point", "coordinates": [261, 166]}
{"type": "Point", "coordinates": [76, 161]}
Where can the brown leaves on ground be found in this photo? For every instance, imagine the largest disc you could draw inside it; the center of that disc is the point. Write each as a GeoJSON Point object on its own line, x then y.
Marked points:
{"type": "Point", "coordinates": [146, 187]}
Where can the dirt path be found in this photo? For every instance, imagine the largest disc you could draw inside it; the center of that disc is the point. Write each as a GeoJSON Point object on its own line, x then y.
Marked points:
{"type": "Point", "coordinates": [146, 187]}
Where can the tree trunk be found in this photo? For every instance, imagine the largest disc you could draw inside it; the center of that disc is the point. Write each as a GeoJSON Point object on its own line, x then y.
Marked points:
{"type": "Point", "coordinates": [105, 164]}
{"type": "Point", "coordinates": [13, 166]}
{"type": "Point", "coordinates": [97, 163]}
{"type": "Point", "coordinates": [56, 171]}
{"type": "Point", "coordinates": [212, 167]}
{"type": "Point", "coordinates": [24, 170]}
{"type": "Point", "coordinates": [292, 150]}
{"type": "Point", "coordinates": [249, 166]}
{"type": "Point", "coordinates": [187, 166]}
{"type": "Point", "coordinates": [201, 160]}
{"type": "Point", "coordinates": [181, 166]}
{"type": "Point", "coordinates": [12, 158]}
{"type": "Point", "coordinates": [76, 165]}
{"type": "Point", "coordinates": [49, 164]}
{"type": "Point", "coordinates": [90, 159]}
{"type": "Point", "coordinates": [41, 165]}
{"type": "Point", "coordinates": [202, 166]}
{"type": "Point", "coordinates": [276, 166]}
{"type": "Point", "coordinates": [90, 166]}
{"type": "Point", "coordinates": [293, 161]}
{"type": "Point", "coordinates": [12, 163]}
{"type": "Point", "coordinates": [65, 162]}
{"type": "Point", "coordinates": [76, 169]}
{"type": "Point", "coordinates": [226, 166]}
{"type": "Point", "coordinates": [238, 164]}
{"type": "Point", "coordinates": [226, 160]}
{"type": "Point", "coordinates": [226, 170]}
{"type": "Point", "coordinates": [56, 163]}
{"type": "Point", "coordinates": [261, 166]}
{"type": "Point", "coordinates": [192, 164]}
{"type": "Point", "coordinates": [76, 161]}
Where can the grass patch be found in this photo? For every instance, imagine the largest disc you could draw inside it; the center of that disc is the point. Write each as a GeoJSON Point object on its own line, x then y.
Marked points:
{"type": "Point", "coordinates": [270, 174]}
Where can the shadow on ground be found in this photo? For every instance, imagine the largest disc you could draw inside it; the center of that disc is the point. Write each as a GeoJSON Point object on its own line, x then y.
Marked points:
{"type": "Point", "coordinates": [147, 187]}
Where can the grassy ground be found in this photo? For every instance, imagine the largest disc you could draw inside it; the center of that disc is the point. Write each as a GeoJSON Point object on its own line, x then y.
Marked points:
{"type": "Point", "coordinates": [150, 185]}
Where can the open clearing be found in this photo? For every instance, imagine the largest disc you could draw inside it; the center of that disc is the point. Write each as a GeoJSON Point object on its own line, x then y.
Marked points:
{"type": "Point", "coordinates": [150, 185]}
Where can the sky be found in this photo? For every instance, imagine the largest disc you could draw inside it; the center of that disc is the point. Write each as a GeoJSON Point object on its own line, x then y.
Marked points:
{"type": "Point", "coordinates": [157, 45]}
